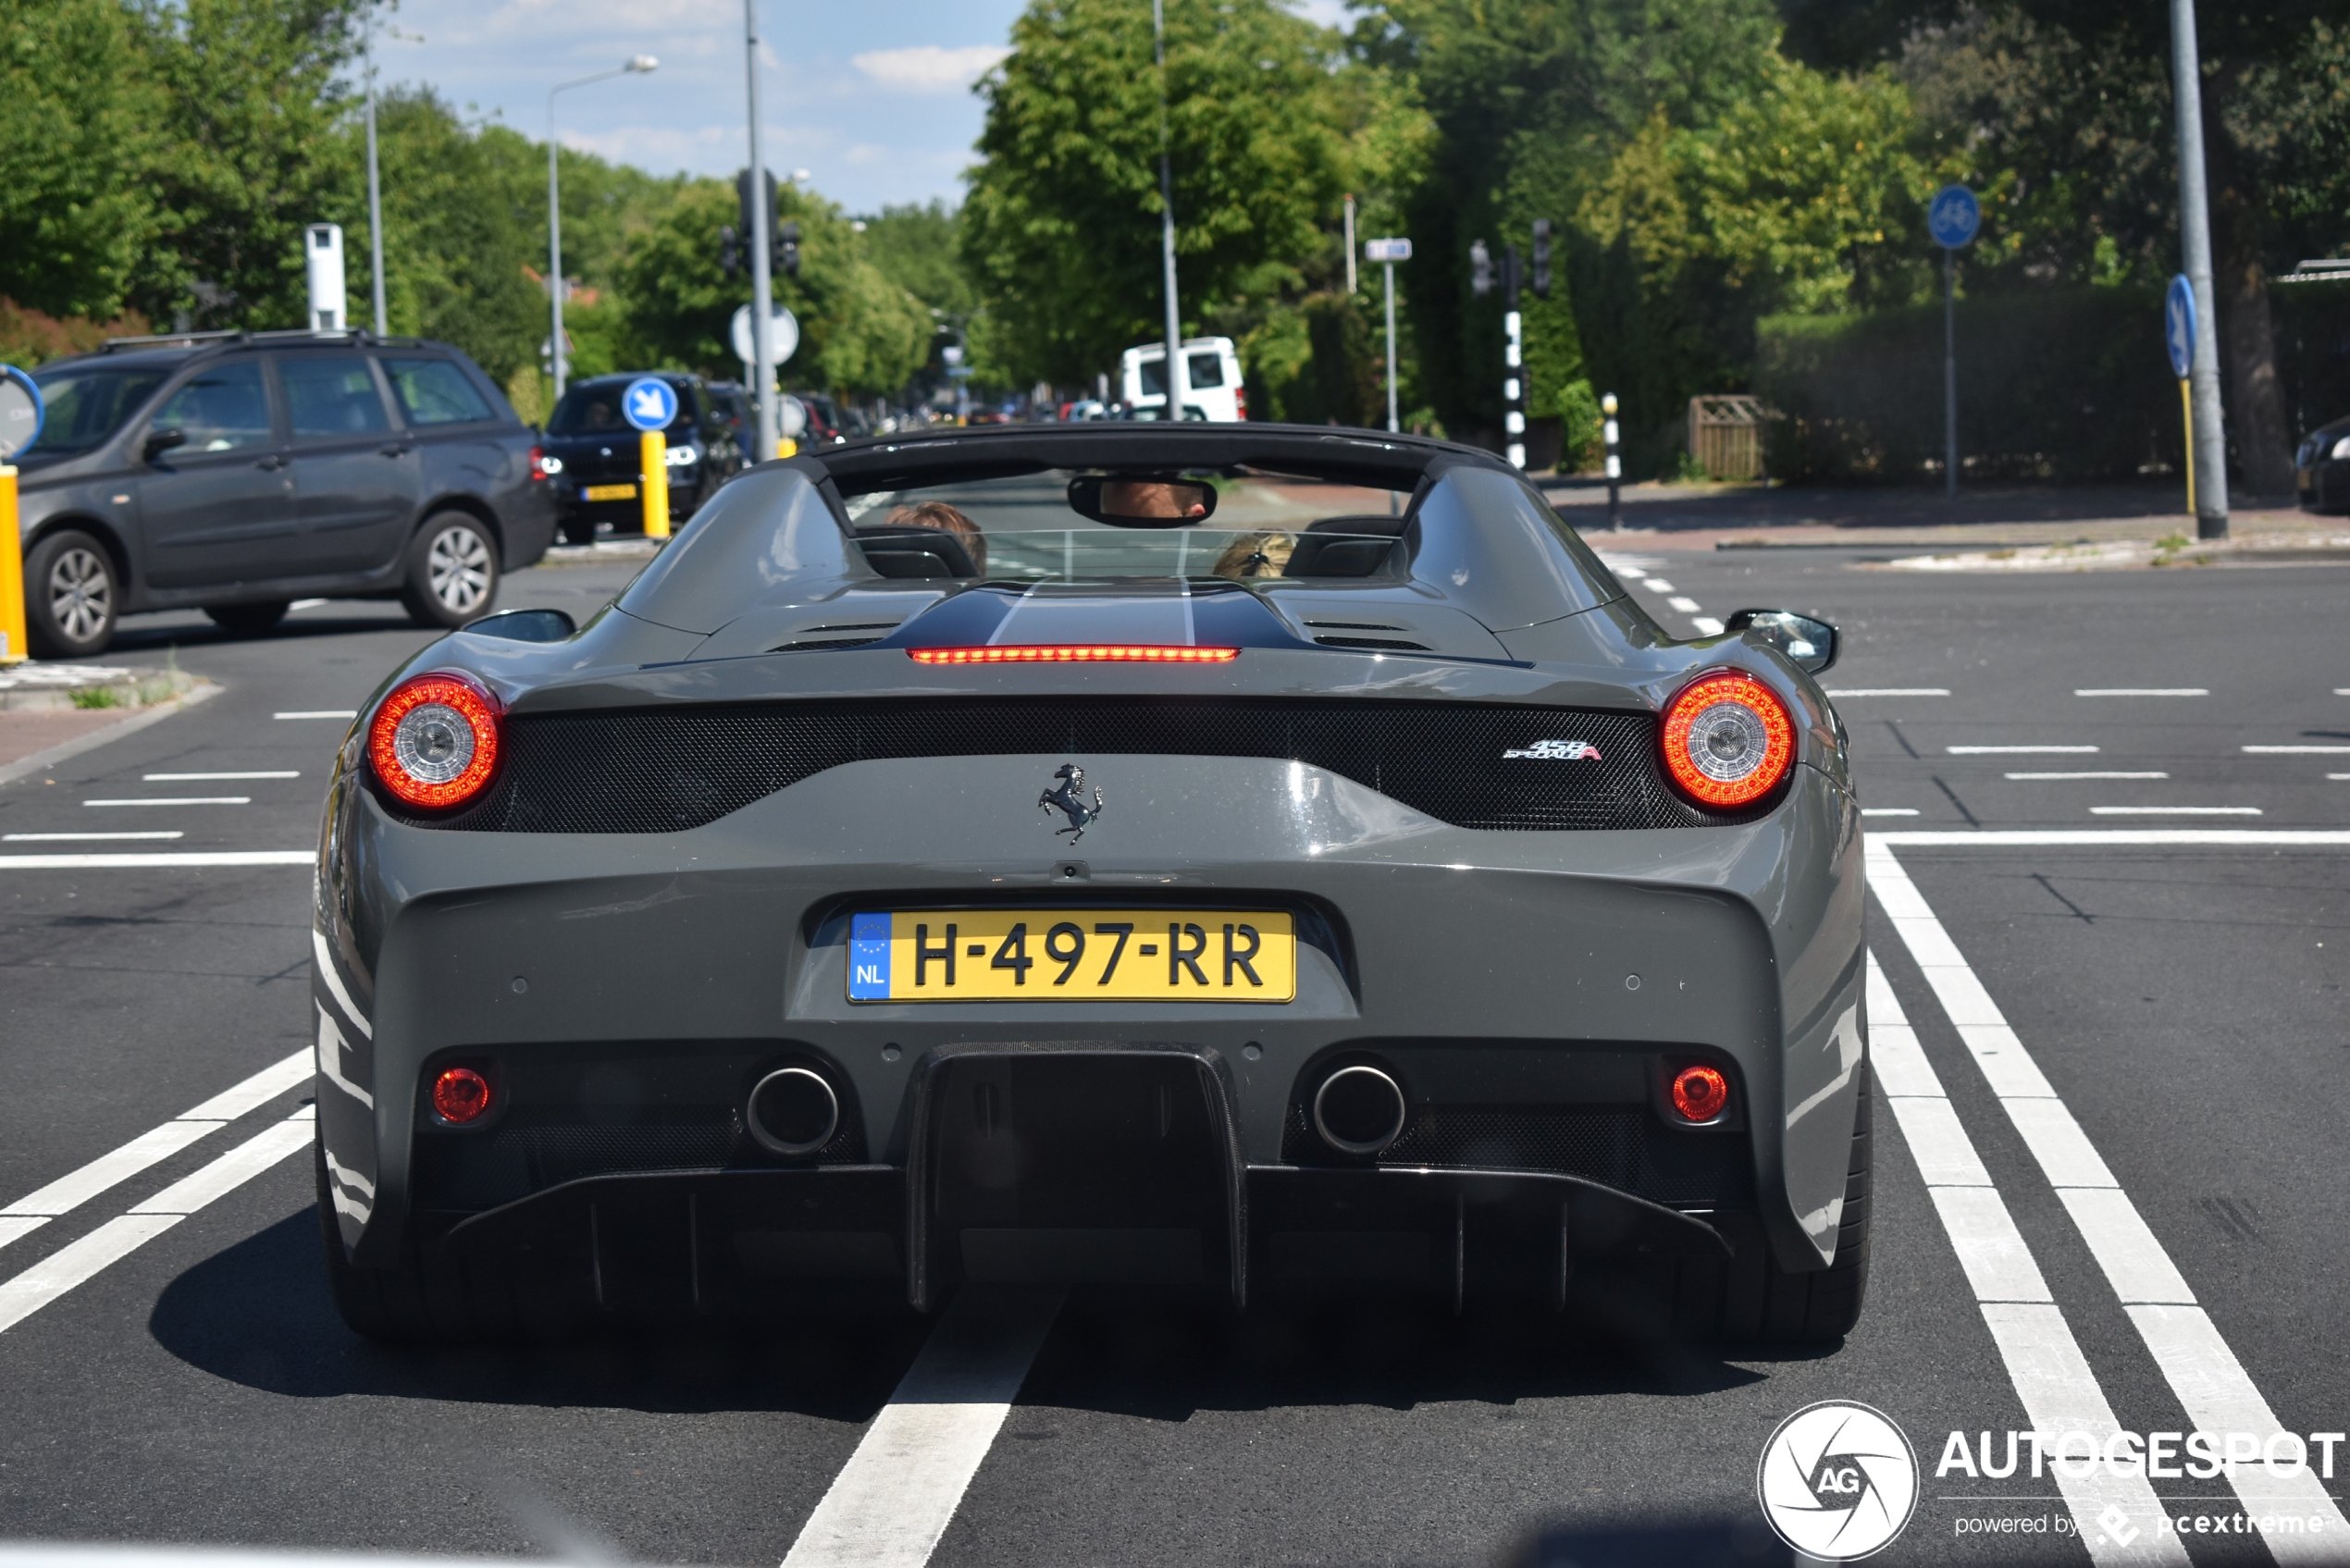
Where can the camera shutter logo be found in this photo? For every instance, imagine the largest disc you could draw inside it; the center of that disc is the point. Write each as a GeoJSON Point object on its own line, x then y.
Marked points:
{"type": "Point", "coordinates": [1837, 1480]}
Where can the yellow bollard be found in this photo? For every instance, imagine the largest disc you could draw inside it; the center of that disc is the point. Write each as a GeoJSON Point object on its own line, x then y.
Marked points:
{"type": "Point", "coordinates": [12, 628]}
{"type": "Point", "coordinates": [786, 447]}
{"type": "Point", "coordinates": [654, 449]}
{"type": "Point", "coordinates": [2187, 404]}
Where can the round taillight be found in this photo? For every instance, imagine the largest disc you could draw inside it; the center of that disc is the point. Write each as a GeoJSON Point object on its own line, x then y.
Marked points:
{"type": "Point", "coordinates": [1728, 740]}
{"type": "Point", "coordinates": [460, 1095]}
{"type": "Point", "coordinates": [1699, 1093]}
{"type": "Point", "coordinates": [434, 741]}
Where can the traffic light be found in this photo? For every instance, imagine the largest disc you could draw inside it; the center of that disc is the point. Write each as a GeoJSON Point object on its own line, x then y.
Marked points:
{"type": "Point", "coordinates": [1480, 269]}
{"type": "Point", "coordinates": [1541, 258]}
{"type": "Point", "coordinates": [788, 249]}
{"type": "Point", "coordinates": [730, 251]}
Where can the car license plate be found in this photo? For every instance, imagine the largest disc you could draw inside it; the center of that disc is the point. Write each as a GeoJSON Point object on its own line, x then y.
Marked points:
{"type": "Point", "coordinates": [1073, 956]}
{"type": "Point", "coordinates": [607, 492]}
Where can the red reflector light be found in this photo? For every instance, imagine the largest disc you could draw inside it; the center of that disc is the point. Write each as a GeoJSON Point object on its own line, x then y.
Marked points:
{"type": "Point", "coordinates": [460, 1094]}
{"type": "Point", "coordinates": [1700, 1093]}
{"type": "Point", "coordinates": [1728, 740]}
{"type": "Point", "coordinates": [434, 741]}
{"type": "Point", "coordinates": [538, 462]}
{"type": "Point", "coordinates": [1076, 653]}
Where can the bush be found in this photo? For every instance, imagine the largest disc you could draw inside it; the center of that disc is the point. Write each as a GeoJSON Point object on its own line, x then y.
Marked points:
{"type": "Point", "coordinates": [2070, 384]}
{"type": "Point", "coordinates": [28, 337]}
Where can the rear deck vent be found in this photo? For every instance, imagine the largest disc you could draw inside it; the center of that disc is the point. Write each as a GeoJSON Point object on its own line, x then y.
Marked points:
{"type": "Point", "coordinates": [1397, 644]}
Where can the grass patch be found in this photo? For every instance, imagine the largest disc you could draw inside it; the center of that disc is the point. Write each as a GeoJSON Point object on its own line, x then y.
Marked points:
{"type": "Point", "coordinates": [97, 697]}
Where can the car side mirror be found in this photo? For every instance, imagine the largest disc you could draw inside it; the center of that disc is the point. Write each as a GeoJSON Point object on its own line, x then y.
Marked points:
{"type": "Point", "coordinates": [1808, 643]}
{"type": "Point", "coordinates": [1141, 500]}
{"type": "Point", "coordinates": [160, 442]}
{"type": "Point", "coordinates": [526, 625]}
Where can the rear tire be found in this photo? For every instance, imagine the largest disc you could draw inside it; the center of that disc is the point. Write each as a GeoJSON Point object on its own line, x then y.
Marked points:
{"type": "Point", "coordinates": [247, 620]}
{"type": "Point", "coordinates": [453, 571]}
{"type": "Point", "coordinates": [71, 595]}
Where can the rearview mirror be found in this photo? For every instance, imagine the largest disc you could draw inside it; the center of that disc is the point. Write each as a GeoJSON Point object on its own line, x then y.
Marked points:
{"type": "Point", "coordinates": [1127, 500]}
{"type": "Point", "coordinates": [160, 442]}
{"type": "Point", "coordinates": [1808, 643]}
{"type": "Point", "coordinates": [526, 625]}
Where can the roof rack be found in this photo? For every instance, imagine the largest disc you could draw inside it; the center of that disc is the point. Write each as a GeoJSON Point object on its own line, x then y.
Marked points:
{"type": "Point", "coordinates": [239, 335]}
{"type": "Point", "coordinates": [2328, 270]}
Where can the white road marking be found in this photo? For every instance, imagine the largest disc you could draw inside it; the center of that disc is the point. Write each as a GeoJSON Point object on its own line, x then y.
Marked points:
{"type": "Point", "coordinates": [2094, 838]}
{"type": "Point", "coordinates": [318, 713]}
{"type": "Point", "coordinates": [1658, 585]}
{"type": "Point", "coordinates": [2174, 810]}
{"type": "Point", "coordinates": [2210, 1383]}
{"type": "Point", "coordinates": [1888, 811]}
{"type": "Point", "coordinates": [1707, 626]}
{"type": "Point", "coordinates": [180, 800]}
{"type": "Point", "coordinates": [1682, 602]}
{"type": "Point", "coordinates": [305, 604]}
{"type": "Point", "coordinates": [899, 1491]}
{"type": "Point", "coordinates": [2016, 751]}
{"type": "Point", "coordinates": [189, 778]}
{"type": "Point", "coordinates": [2141, 691]}
{"type": "Point", "coordinates": [2337, 777]}
{"type": "Point", "coordinates": [81, 1260]}
{"type": "Point", "coordinates": [2297, 750]}
{"type": "Point", "coordinates": [1892, 691]}
{"type": "Point", "coordinates": [135, 862]}
{"type": "Point", "coordinates": [2043, 1359]}
{"type": "Point", "coordinates": [2088, 776]}
{"type": "Point", "coordinates": [76, 1188]}
{"type": "Point", "coordinates": [84, 838]}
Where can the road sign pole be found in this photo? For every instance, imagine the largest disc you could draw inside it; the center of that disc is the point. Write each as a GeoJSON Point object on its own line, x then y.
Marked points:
{"type": "Point", "coordinates": [1950, 374]}
{"type": "Point", "coordinates": [12, 611]}
{"type": "Point", "coordinates": [2195, 237]}
{"type": "Point", "coordinates": [1393, 423]}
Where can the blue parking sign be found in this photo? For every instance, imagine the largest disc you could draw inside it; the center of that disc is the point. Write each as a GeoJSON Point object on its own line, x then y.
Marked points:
{"type": "Point", "coordinates": [650, 403]}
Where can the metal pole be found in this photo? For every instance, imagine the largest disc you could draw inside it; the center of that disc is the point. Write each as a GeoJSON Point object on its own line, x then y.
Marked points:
{"type": "Point", "coordinates": [1949, 376]}
{"type": "Point", "coordinates": [375, 188]}
{"type": "Point", "coordinates": [1175, 377]}
{"type": "Point", "coordinates": [2194, 235]}
{"type": "Point", "coordinates": [762, 283]}
{"type": "Point", "coordinates": [1514, 363]}
{"type": "Point", "coordinates": [554, 256]}
{"type": "Point", "coordinates": [1611, 433]}
{"type": "Point", "coordinates": [1350, 247]}
{"type": "Point", "coordinates": [1393, 423]}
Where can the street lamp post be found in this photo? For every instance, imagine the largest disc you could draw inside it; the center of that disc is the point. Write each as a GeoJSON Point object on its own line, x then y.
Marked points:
{"type": "Point", "coordinates": [375, 186]}
{"type": "Point", "coordinates": [2194, 236]}
{"type": "Point", "coordinates": [638, 66]}
{"type": "Point", "coordinates": [762, 280]}
{"type": "Point", "coordinates": [1175, 377]}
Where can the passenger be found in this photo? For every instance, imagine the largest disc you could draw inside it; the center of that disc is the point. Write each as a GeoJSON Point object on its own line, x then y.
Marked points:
{"type": "Point", "coordinates": [938, 515]}
{"type": "Point", "coordinates": [1256, 555]}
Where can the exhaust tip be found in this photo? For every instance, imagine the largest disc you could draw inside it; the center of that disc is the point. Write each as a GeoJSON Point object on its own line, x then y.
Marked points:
{"type": "Point", "coordinates": [1359, 1110]}
{"type": "Point", "coordinates": [792, 1111]}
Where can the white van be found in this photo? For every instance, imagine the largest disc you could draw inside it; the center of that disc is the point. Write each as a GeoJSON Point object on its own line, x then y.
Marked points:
{"type": "Point", "coordinates": [1211, 377]}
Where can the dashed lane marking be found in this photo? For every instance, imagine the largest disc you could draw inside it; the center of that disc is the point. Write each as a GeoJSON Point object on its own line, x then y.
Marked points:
{"type": "Point", "coordinates": [181, 857]}
{"type": "Point", "coordinates": [2204, 1375]}
{"type": "Point", "coordinates": [899, 1491]}
{"type": "Point", "coordinates": [2087, 775]}
{"type": "Point", "coordinates": [192, 778]}
{"type": "Point", "coordinates": [1682, 602]}
{"type": "Point", "coordinates": [1890, 691]}
{"type": "Point", "coordinates": [317, 713]}
{"type": "Point", "coordinates": [2297, 750]}
{"type": "Point", "coordinates": [2096, 839]}
{"type": "Point", "coordinates": [2141, 691]}
{"type": "Point", "coordinates": [81, 1261]}
{"type": "Point", "coordinates": [180, 800]}
{"type": "Point", "coordinates": [2174, 810]}
{"type": "Point", "coordinates": [1888, 811]}
{"type": "Point", "coordinates": [84, 838]}
{"type": "Point", "coordinates": [2044, 1361]}
{"type": "Point", "coordinates": [76, 1188]}
{"type": "Point", "coordinates": [1707, 626]}
{"type": "Point", "coordinates": [2018, 750]}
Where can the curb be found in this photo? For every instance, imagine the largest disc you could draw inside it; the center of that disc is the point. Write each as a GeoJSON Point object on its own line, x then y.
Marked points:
{"type": "Point", "coordinates": [41, 761]}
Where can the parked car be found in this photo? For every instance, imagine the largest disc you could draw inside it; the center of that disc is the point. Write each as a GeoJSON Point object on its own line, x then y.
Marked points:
{"type": "Point", "coordinates": [2322, 467]}
{"type": "Point", "coordinates": [594, 454]}
{"type": "Point", "coordinates": [1211, 379]}
{"type": "Point", "coordinates": [241, 471]}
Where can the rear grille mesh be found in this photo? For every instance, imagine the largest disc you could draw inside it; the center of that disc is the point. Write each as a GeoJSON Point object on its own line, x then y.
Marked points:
{"type": "Point", "coordinates": [663, 769]}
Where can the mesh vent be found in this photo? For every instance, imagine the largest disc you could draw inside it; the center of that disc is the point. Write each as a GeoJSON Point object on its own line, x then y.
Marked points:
{"type": "Point", "coordinates": [661, 770]}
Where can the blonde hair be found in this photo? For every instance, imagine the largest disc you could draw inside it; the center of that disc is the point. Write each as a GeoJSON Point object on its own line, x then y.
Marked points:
{"type": "Point", "coordinates": [1256, 555]}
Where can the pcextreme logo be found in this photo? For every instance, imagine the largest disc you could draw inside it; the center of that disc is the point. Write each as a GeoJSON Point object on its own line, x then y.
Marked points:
{"type": "Point", "coordinates": [1837, 1480]}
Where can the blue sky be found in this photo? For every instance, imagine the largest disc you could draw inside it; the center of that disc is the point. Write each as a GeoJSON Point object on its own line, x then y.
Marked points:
{"type": "Point", "coordinates": [872, 99]}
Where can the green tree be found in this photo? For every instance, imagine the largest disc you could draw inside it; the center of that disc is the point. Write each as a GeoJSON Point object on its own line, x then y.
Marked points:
{"type": "Point", "coordinates": [1062, 222]}
{"type": "Point", "coordinates": [80, 112]}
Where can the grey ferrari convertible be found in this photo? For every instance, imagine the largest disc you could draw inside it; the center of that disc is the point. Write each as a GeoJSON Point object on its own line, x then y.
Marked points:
{"type": "Point", "coordinates": [1237, 859]}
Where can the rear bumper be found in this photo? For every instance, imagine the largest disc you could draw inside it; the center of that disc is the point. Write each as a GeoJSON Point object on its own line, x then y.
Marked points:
{"type": "Point", "coordinates": [1534, 979]}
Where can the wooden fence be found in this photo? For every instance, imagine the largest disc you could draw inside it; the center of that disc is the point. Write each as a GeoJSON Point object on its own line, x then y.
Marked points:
{"type": "Point", "coordinates": [1725, 436]}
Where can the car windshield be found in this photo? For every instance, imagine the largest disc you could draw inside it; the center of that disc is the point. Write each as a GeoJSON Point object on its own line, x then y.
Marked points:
{"type": "Point", "coordinates": [86, 403]}
{"type": "Point", "coordinates": [1025, 529]}
{"type": "Point", "coordinates": [594, 410]}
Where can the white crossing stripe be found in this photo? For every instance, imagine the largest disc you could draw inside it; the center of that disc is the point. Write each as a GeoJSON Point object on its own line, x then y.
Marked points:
{"type": "Point", "coordinates": [2141, 691]}
{"type": "Point", "coordinates": [1707, 626]}
{"type": "Point", "coordinates": [2017, 751]}
{"type": "Point", "coordinates": [1891, 691]}
{"type": "Point", "coordinates": [84, 838]}
{"type": "Point", "coordinates": [1658, 585]}
{"type": "Point", "coordinates": [76, 1188]}
{"type": "Point", "coordinates": [2212, 1385]}
{"type": "Point", "coordinates": [79, 1261]}
{"type": "Point", "coordinates": [133, 862]}
{"type": "Point", "coordinates": [189, 778]}
{"type": "Point", "coordinates": [318, 713]}
{"type": "Point", "coordinates": [2043, 1359]}
{"type": "Point", "coordinates": [1683, 603]}
{"type": "Point", "coordinates": [899, 1491]}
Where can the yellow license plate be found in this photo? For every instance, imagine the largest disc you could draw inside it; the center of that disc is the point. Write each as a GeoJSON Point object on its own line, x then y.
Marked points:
{"type": "Point", "coordinates": [1073, 956]}
{"type": "Point", "coordinates": [609, 492]}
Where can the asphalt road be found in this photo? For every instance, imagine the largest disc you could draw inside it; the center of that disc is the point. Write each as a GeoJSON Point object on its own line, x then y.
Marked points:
{"type": "Point", "coordinates": [2181, 1001]}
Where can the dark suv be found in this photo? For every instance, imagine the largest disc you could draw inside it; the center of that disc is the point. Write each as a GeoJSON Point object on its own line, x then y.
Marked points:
{"type": "Point", "coordinates": [595, 453]}
{"type": "Point", "coordinates": [239, 472]}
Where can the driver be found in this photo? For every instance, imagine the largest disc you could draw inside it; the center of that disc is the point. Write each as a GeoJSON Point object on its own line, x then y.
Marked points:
{"type": "Point", "coordinates": [1150, 498]}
